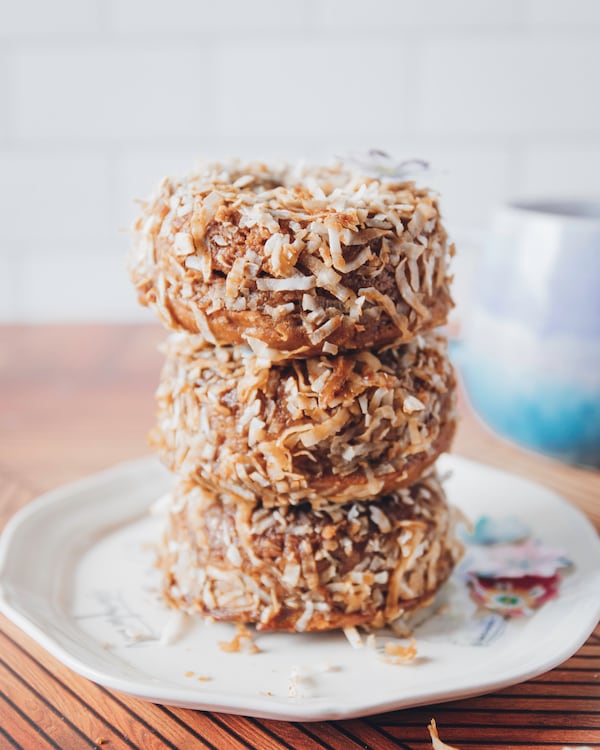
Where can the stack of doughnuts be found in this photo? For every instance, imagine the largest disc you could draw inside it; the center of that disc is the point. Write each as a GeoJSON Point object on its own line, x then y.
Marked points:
{"type": "Point", "coordinates": [306, 393]}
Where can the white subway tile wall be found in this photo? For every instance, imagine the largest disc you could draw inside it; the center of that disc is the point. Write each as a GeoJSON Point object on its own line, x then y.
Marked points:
{"type": "Point", "coordinates": [35, 17]}
{"type": "Point", "coordinates": [554, 171]}
{"type": "Point", "coordinates": [423, 15]}
{"type": "Point", "coordinates": [8, 292]}
{"type": "Point", "coordinates": [50, 197]}
{"type": "Point", "coordinates": [122, 91]}
{"type": "Point", "coordinates": [100, 98]}
{"type": "Point", "coordinates": [193, 16]}
{"type": "Point", "coordinates": [570, 12]}
{"type": "Point", "coordinates": [321, 87]}
{"type": "Point", "coordinates": [3, 99]}
{"type": "Point", "coordinates": [530, 86]}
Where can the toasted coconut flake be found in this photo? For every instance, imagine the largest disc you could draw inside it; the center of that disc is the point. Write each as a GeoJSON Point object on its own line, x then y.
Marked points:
{"type": "Point", "coordinates": [244, 181]}
{"type": "Point", "coordinates": [353, 637]}
{"type": "Point", "coordinates": [160, 507]}
{"type": "Point", "coordinates": [329, 348]}
{"type": "Point", "coordinates": [294, 284]}
{"type": "Point", "coordinates": [320, 432]}
{"type": "Point", "coordinates": [396, 653]}
{"type": "Point", "coordinates": [412, 404]}
{"type": "Point", "coordinates": [380, 519]}
{"type": "Point", "coordinates": [205, 329]}
{"type": "Point", "coordinates": [293, 684]}
{"type": "Point", "coordinates": [407, 293]}
{"type": "Point", "coordinates": [241, 641]}
{"type": "Point", "coordinates": [306, 616]}
{"type": "Point", "coordinates": [183, 244]}
{"type": "Point", "coordinates": [325, 330]}
{"type": "Point", "coordinates": [174, 628]}
{"type": "Point", "coordinates": [436, 742]}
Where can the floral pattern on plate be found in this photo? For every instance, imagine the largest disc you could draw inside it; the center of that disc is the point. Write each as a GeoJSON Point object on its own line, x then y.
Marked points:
{"type": "Point", "coordinates": [507, 571]}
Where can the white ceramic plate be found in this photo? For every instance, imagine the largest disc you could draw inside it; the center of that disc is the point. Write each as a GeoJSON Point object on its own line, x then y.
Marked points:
{"type": "Point", "coordinates": [76, 575]}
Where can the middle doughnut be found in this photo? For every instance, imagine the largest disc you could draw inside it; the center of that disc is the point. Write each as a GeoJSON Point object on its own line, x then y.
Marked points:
{"type": "Point", "coordinates": [324, 429]}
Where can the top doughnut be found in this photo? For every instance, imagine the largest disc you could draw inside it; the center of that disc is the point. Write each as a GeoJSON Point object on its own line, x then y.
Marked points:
{"type": "Point", "coordinates": [293, 261]}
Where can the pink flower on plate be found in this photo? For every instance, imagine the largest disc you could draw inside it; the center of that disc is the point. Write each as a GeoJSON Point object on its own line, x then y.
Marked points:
{"type": "Point", "coordinates": [529, 558]}
{"type": "Point", "coordinates": [513, 597]}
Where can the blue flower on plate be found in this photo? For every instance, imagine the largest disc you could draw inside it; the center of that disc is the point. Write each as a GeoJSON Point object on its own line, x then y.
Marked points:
{"type": "Point", "coordinates": [506, 530]}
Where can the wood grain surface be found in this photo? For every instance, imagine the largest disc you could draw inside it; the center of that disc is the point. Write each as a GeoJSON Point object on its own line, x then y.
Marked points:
{"type": "Point", "coordinates": [76, 399]}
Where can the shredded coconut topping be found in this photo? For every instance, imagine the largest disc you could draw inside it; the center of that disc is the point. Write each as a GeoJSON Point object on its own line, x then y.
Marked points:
{"type": "Point", "coordinates": [303, 397]}
{"type": "Point", "coordinates": [360, 261]}
{"type": "Point", "coordinates": [307, 569]}
{"type": "Point", "coordinates": [320, 429]}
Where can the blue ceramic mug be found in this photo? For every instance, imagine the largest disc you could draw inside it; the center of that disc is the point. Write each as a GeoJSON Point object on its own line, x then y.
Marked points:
{"type": "Point", "coordinates": [531, 352]}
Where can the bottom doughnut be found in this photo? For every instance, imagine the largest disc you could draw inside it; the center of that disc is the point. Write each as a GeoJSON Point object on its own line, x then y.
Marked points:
{"type": "Point", "coordinates": [301, 569]}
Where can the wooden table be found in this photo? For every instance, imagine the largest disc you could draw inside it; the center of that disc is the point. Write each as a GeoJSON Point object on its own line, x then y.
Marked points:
{"type": "Point", "coordinates": [74, 400]}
